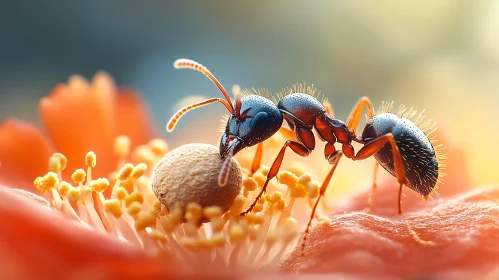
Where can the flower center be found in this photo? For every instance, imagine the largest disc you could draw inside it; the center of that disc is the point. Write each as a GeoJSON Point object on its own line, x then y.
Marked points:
{"type": "Point", "coordinates": [125, 207]}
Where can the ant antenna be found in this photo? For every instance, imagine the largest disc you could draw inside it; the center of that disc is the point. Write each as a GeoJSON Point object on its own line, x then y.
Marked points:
{"type": "Point", "coordinates": [191, 64]}
{"type": "Point", "coordinates": [174, 120]}
{"type": "Point", "coordinates": [223, 176]}
{"type": "Point", "coordinates": [238, 105]}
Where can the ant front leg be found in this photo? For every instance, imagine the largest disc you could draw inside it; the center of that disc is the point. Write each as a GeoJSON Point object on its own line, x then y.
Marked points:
{"type": "Point", "coordinates": [257, 160]}
{"type": "Point", "coordinates": [333, 159]}
{"type": "Point", "coordinates": [298, 148]}
{"type": "Point", "coordinates": [353, 122]}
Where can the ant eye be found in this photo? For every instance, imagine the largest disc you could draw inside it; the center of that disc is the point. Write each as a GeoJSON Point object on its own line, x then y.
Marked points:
{"type": "Point", "coordinates": [259, 120]}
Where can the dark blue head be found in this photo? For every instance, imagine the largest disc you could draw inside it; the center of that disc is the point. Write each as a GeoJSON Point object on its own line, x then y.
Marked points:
{"type": "Point", "coordinates": [257, 119]}
{"type": "Point", "coordinates": [253, 118]}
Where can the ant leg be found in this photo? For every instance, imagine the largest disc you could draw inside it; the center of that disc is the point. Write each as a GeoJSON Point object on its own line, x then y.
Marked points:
{"type": "Point", "coordinates": [370, 199]}
{"type": "Point", "coordinates": [355, 115]}
{"type": "Point", "coordinates": [297, 148]}
{"type": "Point", "coordinates": [257, 160]}
{"type": "Point", "coordinates": [333, 159]}
{"type": "Point", "coordinates": [370, 149]}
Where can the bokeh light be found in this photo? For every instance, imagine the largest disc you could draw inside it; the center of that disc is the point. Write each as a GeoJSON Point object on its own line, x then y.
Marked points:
{"type": "Point", "coordinates": [441, 56]}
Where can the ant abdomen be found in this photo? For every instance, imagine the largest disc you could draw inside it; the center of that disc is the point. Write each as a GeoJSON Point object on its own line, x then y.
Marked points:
{"type": "Point", "coordinates": [418, 154]}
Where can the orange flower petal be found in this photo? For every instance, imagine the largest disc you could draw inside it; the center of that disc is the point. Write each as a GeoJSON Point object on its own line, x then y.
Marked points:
{"type": "Point", "coordinates": [24, 154]}
{"type": "Point", "coordinates": [133, 118]}
{"type": "Point", "coordinates": [79, 118]}
{"type": "Point", "coordinates": [38, 243]}
{"type": "Point", "coordinates": [464, 228]}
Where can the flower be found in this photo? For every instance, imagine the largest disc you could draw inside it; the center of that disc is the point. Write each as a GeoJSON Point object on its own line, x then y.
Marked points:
{"type": "Point", "coordinates": [98, 218]}
{"type": "Point", "coordinates": [78, 117]}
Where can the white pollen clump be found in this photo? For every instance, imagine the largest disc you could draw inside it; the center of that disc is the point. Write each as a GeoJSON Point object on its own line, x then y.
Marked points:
{"type": "Point", "coordinates": [189, 173]}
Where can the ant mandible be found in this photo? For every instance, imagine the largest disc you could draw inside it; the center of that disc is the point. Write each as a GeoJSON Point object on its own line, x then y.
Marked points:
{"type": "Point", "coordinates": [398, 144]}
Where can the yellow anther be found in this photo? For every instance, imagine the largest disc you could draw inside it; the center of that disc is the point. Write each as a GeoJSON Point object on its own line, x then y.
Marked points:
{"type": "Point", "coordinates": [155, 208]}
{"type": "Point", "coordinates": [158, 236]}
{"type": "Point", "coordinates": [237, 205]}
{"type": "Point", "coordinates": [287, 178]}
{"type": "Point", "coordinates": [144, 220]}
{"type": "Point", "coordinates": [39, 185]}
{"type": "Point", "coordinates": [279, 205]}
{"type": "Point", "coordinates": [168, 223]}
{"type": "Point", "coordinates": [193, 212]}
{"type": "Point", "coordinates": [189, 243]}
{"type": "Point", "coordinates": [298, 191]}
{"type": "Point", "coordinates": [255, 219]}
{"type": "Point", "coordinates": [121, 193]}
{"type": "Point", "coordinates": [63, 161]}
{"type": "Point", "coordinates": [203, 244]}
{"type": "Point", "coordinates": [156, 203]}
{"type": "Point", "coordinates": [217, 240]}
{"type": "Point", "coordinates": [213, 212]}
{"type": "Point", "coordinates": [99, 185]}
{"type": "Point", "coordinates": [158, 147]}
{"type": "Point", "coordinates": [263, 199]}
{"type": "Point", "coordinates": [139, 170]}
{"type": "Point", "coordinates": [113, 206]}
{"type": "Point", "coordinates": [250, 184]}
{"type": "Point", "coordinates": [47, 182]}
{"type": "Point", "coordinates": [290, 229]}
{"type": "Point", "coordinates": [260, 178]}
{"type": "Point", "coordinates": [90, 159]}
{"type": "Point", "coordinates": [134, 208]}
{"type": "Point", "coordinates": [275, 197]}
{"type": "Point", "coordinates": [74, 194]}
{"type": "Point", "coordinates": [125, 172]}
{"type": "Point", "coordinates": [128, 184]}
{"type": "Point", "coordinates": [78, 176]}
{"type": "Point", "coordinates": [264, 170]}
{"type": "Point", "coordinates": [304, 179]}
{"type": "Point", "coordinates": [122, 146]}
{"type": "Point", "coordinates": [144, 154]}
{"type": "Point", "coordinates": [55, 164]}
{"type": "Point", "coordinates": [252, 233]}
{"type": "Point", "coordinates": [313, 189]}
{"type": "Point", "coordinates": [64, 188]}
{"type": "Point", "coordinates": [237, 233]}
{"type": "Point", "coordinates": [258, 208]}
{"type": "Point", "coordinates": [135, 196]}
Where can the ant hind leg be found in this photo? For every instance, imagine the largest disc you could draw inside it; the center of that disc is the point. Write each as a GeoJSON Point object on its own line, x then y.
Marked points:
{"type": "Point", "coordinates": [370, 149]}
{"type": "Point", "coordinates": [370, 199]}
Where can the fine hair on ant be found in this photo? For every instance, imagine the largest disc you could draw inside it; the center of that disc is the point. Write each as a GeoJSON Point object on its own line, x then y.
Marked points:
{"type": "Point", "coordinates": [398, 144]}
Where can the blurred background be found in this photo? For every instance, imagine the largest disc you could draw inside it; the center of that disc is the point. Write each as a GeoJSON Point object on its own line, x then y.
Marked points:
{"type": "Point", "coordinates": [441, 56]}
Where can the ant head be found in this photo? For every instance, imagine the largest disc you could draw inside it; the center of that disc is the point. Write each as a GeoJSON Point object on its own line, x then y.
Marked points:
{"type": "Point", "coordinates": [255, 119]}
{"type": "Point", "coordinates": [252, 118]}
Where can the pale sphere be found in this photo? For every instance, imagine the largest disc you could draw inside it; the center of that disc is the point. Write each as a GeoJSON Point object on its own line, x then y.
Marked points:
{"type": "Point", "coordinates": [189, 173]}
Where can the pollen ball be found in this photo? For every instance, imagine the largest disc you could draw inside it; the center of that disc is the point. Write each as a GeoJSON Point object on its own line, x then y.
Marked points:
{"type": "Point", "coordinates": [189, 173]}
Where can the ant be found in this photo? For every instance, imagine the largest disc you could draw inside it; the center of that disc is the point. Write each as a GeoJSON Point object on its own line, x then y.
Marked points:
{"type": "Point", "coordinates": [398, 144]}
